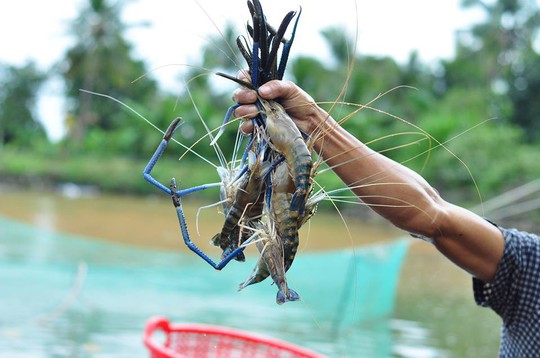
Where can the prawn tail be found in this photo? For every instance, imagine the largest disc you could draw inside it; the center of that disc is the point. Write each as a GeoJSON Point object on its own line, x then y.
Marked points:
{"type": "Point", "coordinates": [258, 276]}
{"type": "Point", "coordinates": [239, 257]}
{"type": "Point", "coordinates": [288, 296]}
{"type": "Point", "coordinates": [217, 240]}
{"type": "Point", "coordinates": [227, 246]}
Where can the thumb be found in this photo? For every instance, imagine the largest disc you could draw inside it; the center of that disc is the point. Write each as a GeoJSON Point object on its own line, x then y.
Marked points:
{"type": "Point", "coordinates": [277, 89]}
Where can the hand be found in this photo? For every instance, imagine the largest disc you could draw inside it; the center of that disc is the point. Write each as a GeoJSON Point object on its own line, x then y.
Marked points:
{"type": "Point", "coordinates": [299, 105]}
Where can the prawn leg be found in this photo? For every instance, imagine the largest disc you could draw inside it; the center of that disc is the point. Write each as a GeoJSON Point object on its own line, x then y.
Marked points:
{"type": "Point", "coordinates": [287, 49]}
{"type": "Point", "coordinates": [157, 155]}
{"type": "Point", "coordinates": [175, 194]}
{"type": "Point", "coordinates": [225, 121]}
{"type": "Point", "coordinates": [266, 41]}
{"type": "Point", "coordinates": [247, 195]}
{"type": "Point", "coordinates": [271, 264]}
{"type": "Point", "coordinates": [177, 202]}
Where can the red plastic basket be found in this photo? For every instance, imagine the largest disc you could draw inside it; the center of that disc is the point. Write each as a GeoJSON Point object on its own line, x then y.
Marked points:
{"type": "Point", "coordinates": [206, 341]}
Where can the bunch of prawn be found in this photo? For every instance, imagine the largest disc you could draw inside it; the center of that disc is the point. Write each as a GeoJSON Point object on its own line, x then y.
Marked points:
{"type": "Point", "coordinates": [278, 174]}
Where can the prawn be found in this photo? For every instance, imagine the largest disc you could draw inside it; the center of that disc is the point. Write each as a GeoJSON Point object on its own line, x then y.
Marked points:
{"type": "Point", "coordinates": [247, 195]}
{"type": "Point", "coordinates": [271, 264]}
{"type": "Point", "coordinates": [286, 139]}
{"type": "Point", "coordinates": [286, 220]}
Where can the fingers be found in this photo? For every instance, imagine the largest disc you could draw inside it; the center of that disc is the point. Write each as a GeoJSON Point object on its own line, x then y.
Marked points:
{"type": "Point", "coordinates": [270, 90]}
{"type": "Point", "coordinates": [278, 89]}
{"type": "Point", "coordinates": [284, 90]}
{"type": "Point", "coordinates": [247, 111]}
{"type": "Point", "coordinates": [247, 127]}
{"type": "Point", "coordinates": [244, 96]}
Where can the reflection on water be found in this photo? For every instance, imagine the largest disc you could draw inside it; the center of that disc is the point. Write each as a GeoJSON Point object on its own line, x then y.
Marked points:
{"type": "Point", "coordinates": [44, 314]}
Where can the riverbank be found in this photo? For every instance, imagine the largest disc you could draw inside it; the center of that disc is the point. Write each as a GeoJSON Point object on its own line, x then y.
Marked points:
{"type": "Point", "coordinates": [110, 174]}
{"type": "Point", "coordinates": [53, 170]}
{"type": "Point", "coordinates": [46, 170]}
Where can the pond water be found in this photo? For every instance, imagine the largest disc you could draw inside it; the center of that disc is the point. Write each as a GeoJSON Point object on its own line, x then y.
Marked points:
{"type": "Point", "coordinates": [72, 295]}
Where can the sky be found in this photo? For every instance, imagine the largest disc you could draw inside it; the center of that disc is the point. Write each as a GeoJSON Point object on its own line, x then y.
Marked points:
{"type": "Point", "coordinates": [177, 29]}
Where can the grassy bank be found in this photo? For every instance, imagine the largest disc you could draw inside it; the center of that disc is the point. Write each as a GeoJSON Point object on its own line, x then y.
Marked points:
{"type": "Point", "coordinates": [116, 174]}
{"type": "Point", "coordinates": [107, 173]}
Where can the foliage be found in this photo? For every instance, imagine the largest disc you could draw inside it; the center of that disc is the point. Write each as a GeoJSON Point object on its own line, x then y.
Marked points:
{"type": "Point", "coordinates": [110, 173]}
{"type": "Point", "coordinates": [101, 61]}
{"type": "Point", "coordinates": [499, 55]}
{"type": "Point", "coordinates": [18, 95]}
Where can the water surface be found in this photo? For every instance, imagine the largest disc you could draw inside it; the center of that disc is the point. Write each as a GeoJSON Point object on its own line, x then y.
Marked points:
{"type": "Point", "coordinates": [72, 295]}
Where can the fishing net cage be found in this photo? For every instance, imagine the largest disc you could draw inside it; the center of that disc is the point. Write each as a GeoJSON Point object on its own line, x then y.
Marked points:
{"type": "Point", "coordinates": [209, 341]}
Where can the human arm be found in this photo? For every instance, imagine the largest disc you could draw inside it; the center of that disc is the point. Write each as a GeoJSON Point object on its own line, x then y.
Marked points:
{"type": "Point", "coordinates": [392, 190]}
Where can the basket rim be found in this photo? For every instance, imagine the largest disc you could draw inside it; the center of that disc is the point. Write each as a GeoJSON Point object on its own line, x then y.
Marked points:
{"type": "Point", "coordinates": [162, 323]}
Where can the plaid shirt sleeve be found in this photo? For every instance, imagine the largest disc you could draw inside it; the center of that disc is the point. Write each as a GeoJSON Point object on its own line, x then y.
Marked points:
{"type": "Point", "coordinates": [514, 294]}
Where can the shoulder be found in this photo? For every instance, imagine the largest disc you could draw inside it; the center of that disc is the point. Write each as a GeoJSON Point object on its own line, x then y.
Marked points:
{"type": "Point", "coordinates": [525, 243]}
{"type": "Point", "coordinates": [521, 255]}
{"type": "Point", "coordinates": [517, 279]}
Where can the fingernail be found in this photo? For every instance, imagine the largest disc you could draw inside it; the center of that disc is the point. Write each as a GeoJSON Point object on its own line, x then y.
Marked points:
{"type": "Point", "coordinates": [244, 133]}
{"type": "Point", "coordinates": [242, 130]}
{"type": "Point", "coordinates": [252, 96]}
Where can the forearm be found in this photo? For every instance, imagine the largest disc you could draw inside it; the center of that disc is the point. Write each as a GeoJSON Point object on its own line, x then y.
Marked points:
{"type": "Point", "coordinates": [405, 199]}
{"type": "Point", "coordinates": [391, 189]}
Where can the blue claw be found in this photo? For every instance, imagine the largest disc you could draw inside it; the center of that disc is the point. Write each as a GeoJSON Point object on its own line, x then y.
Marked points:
{"type": "Point", "coordinates": [225, 120]}
{"type": "Point", "coordinates": [177, 202]}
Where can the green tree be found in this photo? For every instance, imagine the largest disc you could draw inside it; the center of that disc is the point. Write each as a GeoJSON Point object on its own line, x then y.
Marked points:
{"type": "Point", "coordinates": [18, 93]}
{"type": "Point", "coordinates": [206, 98]}
{"type": "Point", "coordinates": [101, 61]}
{"type": "Point", "coordinates": [498, 56]}
{"type": "Point", "coordinates": [354, 79]}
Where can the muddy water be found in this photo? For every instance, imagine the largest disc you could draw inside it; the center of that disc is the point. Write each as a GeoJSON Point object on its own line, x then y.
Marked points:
{"type": "Point", "coordinates": [435, 315]}
{"type": "Point", "coordinates": [151, 221]}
